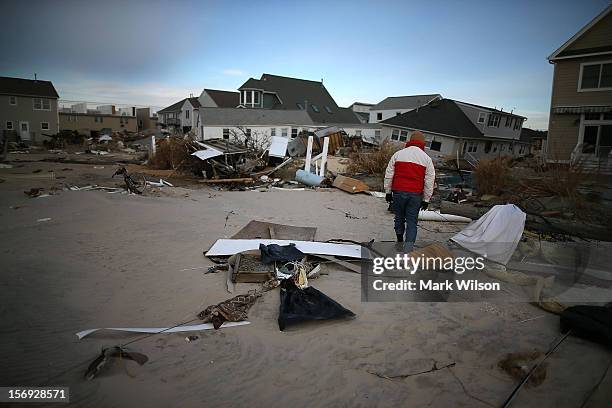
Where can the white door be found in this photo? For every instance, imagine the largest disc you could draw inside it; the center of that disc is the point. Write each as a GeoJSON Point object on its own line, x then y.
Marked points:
{"type": "Point", "coordinates": [24, 128]}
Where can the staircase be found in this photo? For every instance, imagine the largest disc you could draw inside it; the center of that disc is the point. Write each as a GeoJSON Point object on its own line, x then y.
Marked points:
{"type": "Point", "coordinates": [591, 163]}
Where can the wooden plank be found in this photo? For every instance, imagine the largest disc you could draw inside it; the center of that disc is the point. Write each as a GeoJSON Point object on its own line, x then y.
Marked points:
{"type": "Point", "coordinates": [350, 185]}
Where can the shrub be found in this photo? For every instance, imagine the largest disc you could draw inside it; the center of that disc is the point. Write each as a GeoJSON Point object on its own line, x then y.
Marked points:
{"type": "Point", "coordinates": [373, 162]}
{"type": "Point", "coordinates": [492, 176]}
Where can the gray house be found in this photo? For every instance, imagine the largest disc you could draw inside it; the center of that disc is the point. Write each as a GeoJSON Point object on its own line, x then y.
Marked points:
{"type": "Point", "coordinates": [460, 129]}
{"type": "Point", "coordinates": [28, 109]}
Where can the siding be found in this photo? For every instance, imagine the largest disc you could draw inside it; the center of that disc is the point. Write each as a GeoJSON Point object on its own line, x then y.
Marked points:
{"type": "Point", "coordinates": [597, 36]}
{"type": "Point", "coordinates": [565, 85]}
{"type": "Point", "coordinates": [562, 136]}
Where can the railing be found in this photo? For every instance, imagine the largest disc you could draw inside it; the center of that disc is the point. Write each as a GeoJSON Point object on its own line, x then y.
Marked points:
{"type": "Point", "coordinates": [470, 158]}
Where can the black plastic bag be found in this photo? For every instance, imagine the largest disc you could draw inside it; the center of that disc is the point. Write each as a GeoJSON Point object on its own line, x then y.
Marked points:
{"type": "Point", "coordinates": [589, 322]}
{"type": "Point", "coordinates": [274, 252]}
{"type": "Point", "coordinates": [300, 305]}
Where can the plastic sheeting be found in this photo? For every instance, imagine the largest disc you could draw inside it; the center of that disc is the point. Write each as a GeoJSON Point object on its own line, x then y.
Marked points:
{"type": "Point", "coordinates": [495, 235]}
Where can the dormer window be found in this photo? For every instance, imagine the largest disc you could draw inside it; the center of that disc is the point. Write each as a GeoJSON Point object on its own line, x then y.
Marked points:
{"type": "Point", "coordinates": [250, 98]}
{"type": "Point", "coordinates": [481, 117]}
{"type": "Point", "coordinates": [315, 108]}
{"type": "Point", "coordinates": [328, 110]}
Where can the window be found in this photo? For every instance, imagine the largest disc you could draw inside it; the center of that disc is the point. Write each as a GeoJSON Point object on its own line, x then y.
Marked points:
{"type": "Point", "coordinates": [403, 136]}
{"type": "Point", "coordinates": [494, 147]}
{"type": "Point", "coordinates": [248, 132]}
{"type": "Point", "coordinates": [99, 119]}
{"type": "Point", "coordinates": [248, 98]}
{"type": "Point", "coordinates": [597, 76]}
{"type": "Point", "coordinates": [12, 100]}
{"type": "Point", "coordinates": [9, 125]}
{"type": "Point", "coordinates": [328, 110]}
{"type": "Point", "coordinates": [481, 117]}
{"type": "Point", "coordinates": [379, 116]}
{"type": "Point", "coordinates": [518, 123]}
{"type": "Point", "coordinates": [508, 121]}
{"type": "Point", "coordinates": [187, 114]}
{"type": "Point", "coordinates": [472, 147]}
{"type": "Point", "coordinates": [502, 147]}
{"type": "Point", "coordinates": [225, 133]}
{"type": "Point", "coordinates": [284, 132]}
{"type": "Point", "coordinates": [437, 146]}
{"type": "Point", "coordinates": [294, 133]}
{"type": "Point", "coordinates": [256, 98]}
{"type": "Point", "coordinates": [395, 134]}
{"type": "Point", "coordinates": [41, 104]}
{"type": "Point", "coordinates": [273, 132]}
{"type": "Point", "coordinates": [299, 106]}
{"type": "Point", "coordinates": [44, 125]}
{"type": "Point", "coordinates": [377, 134]}
{"type": "Point", "coordinates": [358, 133]}
{"type": "Point", "coordinates": [493, 121]}
{"type": "Point", "coordinates": [315, 108]}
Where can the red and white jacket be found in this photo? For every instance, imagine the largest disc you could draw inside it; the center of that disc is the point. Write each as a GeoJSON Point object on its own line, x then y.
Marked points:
{"type": "Point", "coordinates": [411, 170]}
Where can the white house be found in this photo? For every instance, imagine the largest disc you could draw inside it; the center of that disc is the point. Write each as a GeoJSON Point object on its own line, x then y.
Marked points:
{"type": "Point", "coordinates": [396, 105]}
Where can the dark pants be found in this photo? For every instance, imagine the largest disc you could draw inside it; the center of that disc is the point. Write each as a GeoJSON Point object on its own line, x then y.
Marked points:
{"type": "Point", "coordinates": [406, 207]}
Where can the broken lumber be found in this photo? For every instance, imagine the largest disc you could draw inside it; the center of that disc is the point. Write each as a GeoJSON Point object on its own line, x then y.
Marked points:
{"type": "Point", "coordinates": [350, 185]}
{"type": "Point", "coordinates": [245, 180]}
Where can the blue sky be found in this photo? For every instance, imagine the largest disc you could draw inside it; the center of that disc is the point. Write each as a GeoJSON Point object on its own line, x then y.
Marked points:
{"type": "Point", "coordinates": [157, 52]}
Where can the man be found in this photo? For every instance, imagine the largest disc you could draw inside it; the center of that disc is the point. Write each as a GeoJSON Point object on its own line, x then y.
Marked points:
{"type": "Point", "coordinates": [409, 182]}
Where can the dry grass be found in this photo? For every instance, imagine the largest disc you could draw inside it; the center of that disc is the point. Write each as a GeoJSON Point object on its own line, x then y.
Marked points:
{"type": "Point", "coordinates": [492, 176]}
{"type": "Point", "coordinates": [173, 154]}
{"type": "Point", "coordinates": [562, 181]}
{"type": "Point", "coordinates": [374, 162]}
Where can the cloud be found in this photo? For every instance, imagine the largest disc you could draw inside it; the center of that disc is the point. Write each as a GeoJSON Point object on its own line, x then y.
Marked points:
{"type": "Point", "coordinates": [233, 72]}
{"type": "Point", "coordinates": [156, 95]}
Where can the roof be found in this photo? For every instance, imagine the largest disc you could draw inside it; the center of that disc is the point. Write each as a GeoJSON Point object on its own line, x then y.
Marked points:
{"type": "Point", "coordinates": [443, 117]}
{"type": "Point", "coordinates": [561, 51]}
{"type": "Point", "coordinates": [253, 117]}
{"type": "Point", "coordinates": [195, 102]}
{"type": "Point", "coordinates": [362, 104]}
{"type": "Point", "coordinates": [311, 95]}
{"type": "Point", "coordinates": [224, 99]}
{"type": "Point", "coordinates": [501, 112]}
{"type": "Point", "coordinates": [175, 107]}
{"type": "Point", "coordinates": [405, 102]}
{"type": "Point", "coordinates": [27, 87]}
{"type": "Point", "coordinates": [106, 115]}
{"type": "Point", "coordinates": [365, 116]}
{"type": "Point", "coordinates": [529, 135]}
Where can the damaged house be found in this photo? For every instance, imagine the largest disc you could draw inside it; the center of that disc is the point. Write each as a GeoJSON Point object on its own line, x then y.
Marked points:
{"type": "Point", "coordinates": [462, 129]}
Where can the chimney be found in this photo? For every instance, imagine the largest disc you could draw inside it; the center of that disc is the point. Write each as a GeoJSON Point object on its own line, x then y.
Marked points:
{"type": "Point", "coordinates": [35, 76]}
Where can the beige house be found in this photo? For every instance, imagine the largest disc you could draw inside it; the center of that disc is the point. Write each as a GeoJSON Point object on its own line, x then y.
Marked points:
{"type": "Point", "coordinates": [146, 120]}
{"type": "Point", "coordinates": [91, 124]}
{"type": "Point", "coordinates": [28, 109]}
{"type": "Point", "coordinates": [580, 125]}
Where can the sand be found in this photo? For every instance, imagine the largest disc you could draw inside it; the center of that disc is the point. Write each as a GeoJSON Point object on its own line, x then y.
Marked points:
{"type": "Point", "coordinates": [124, 260]}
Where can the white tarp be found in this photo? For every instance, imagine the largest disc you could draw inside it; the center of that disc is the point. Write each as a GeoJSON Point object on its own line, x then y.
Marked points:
{"type": "Point", "coordinates": [278, 146]}
{"type": "Point", "coordinates": [495, 235]}
{"type": "Point", "coordinates": [207, 154]}
{"type": "Point", "coordinates": [197, 327]}
{"type": "Point", "coordinates": [225, 247]}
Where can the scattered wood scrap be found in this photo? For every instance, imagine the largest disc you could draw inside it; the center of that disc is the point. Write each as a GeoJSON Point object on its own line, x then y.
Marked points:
{"type": "Point", "coordinates": [350, 185]}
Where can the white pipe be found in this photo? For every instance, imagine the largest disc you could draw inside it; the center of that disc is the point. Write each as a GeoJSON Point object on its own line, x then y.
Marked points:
{"type": "Point", "coordinates": [153, 147]}
{"type": "Point", "coordinates": [308, 154]}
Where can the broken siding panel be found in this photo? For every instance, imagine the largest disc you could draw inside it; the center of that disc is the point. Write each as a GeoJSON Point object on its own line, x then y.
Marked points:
{"type": "Point", "coordinates": [565, 85]}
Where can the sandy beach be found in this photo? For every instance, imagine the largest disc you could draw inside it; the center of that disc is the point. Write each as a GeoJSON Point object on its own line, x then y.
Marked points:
{"type": "Point", "coordinates": [119, 260]}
